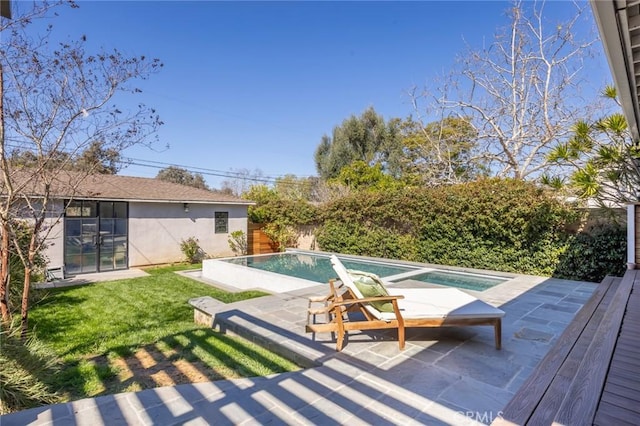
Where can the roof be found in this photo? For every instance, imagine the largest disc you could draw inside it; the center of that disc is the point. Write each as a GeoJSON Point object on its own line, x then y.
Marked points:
{"type": "Point", "coordinates": [68, 184]}
{"type": "Point", "coordinates": [619, 25]}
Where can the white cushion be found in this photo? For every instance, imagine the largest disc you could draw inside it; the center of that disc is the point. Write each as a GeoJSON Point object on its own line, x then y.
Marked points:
{"type": "Point", "coordinates": [425, 303]}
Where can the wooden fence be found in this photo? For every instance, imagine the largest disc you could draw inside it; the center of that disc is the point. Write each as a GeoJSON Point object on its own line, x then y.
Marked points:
{"type": "Point", "coordinates": [258, 242]}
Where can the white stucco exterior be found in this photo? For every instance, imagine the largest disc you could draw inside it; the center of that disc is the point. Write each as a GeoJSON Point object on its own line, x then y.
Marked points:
{"type": "Point", "coordinates": [54, 251]}
{"type": "Point", "coordinates": [156, 230]}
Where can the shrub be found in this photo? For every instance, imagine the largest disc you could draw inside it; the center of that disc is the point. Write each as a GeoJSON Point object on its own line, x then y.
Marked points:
{"type": "Point", "coordinates": [594, 254]}
{"type": "Point", "coordinates": [24, 369]}
{"type": "Point", "coordinates": [16, 267]}
{"type": "Point", "coordinates": [238, 242]}
{"type": "Point", "coordinates": [281, 234]}
{"type": "Point", "coordinates": [191, 250]}
{"type": "Point", "coordinates": [271, 207]}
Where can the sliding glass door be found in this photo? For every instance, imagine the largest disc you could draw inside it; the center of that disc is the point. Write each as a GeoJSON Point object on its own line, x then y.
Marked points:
{"type": "Point", "coordinates": [95, 236]}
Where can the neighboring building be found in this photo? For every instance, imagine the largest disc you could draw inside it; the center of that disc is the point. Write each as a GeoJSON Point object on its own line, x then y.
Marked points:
{"type": "Point", "coordinates": [116, 222]}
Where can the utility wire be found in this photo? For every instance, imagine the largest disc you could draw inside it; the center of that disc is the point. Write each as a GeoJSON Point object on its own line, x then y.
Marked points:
{"type": "Point", "coordinates": [269, 179]}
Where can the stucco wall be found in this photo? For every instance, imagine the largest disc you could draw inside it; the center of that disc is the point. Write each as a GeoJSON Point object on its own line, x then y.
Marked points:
{"type": "Point", "coordinates": [156, 229]}
{"type": "Point", "coordinates": [52, 229]}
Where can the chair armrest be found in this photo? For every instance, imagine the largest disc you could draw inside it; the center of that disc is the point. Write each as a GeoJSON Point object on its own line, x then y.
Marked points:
{"type": "Point", "coordinates": [340, 306]}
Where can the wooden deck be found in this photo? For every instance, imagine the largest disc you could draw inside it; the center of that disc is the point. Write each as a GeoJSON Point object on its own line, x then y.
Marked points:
{"type": "Point", "coordinates": [592, 374]}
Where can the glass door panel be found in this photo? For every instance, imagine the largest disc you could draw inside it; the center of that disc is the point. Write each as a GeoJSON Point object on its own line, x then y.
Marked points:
{"type": "Point", "coordinates": [80, 245]}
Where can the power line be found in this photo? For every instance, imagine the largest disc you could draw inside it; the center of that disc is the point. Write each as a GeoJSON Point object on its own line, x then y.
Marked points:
{"type": "Point", "coordinates": [270, 179]}
{"type": "Point", "coordinates": [205, 171]}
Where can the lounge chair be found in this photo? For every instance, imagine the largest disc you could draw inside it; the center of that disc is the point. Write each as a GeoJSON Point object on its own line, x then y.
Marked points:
{"type": "Point", "coordinates": [400, 308]}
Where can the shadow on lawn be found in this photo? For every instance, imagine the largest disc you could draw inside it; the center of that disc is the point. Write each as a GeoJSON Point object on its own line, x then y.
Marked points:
{"type": "Point", "coordinates": [175, 359]}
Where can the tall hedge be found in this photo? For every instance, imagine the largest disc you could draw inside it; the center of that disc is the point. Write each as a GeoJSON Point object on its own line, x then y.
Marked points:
{"type": "Point", "coordinates": [594, 254]}
{"type": "Point", "coordinates": [504, 225]}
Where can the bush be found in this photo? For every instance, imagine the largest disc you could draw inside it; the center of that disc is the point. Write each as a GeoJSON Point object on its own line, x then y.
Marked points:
{"type": "Point", "coordinates": [271, 207]}
{"type": "Point", "coordinates": [281, 234]}
{"type": "Point", "coordinates": [238, 242]}
{"type": "Point", "coordinates": [594, 254]}
{"type": "Point", "coordinates": [498, 224]}
{"type": "Point", "coordinates": [24, 369]}
{"type": "Point", "coordinates": [16, 267]}
{"type": "Point", "coordinates": [191, 250]}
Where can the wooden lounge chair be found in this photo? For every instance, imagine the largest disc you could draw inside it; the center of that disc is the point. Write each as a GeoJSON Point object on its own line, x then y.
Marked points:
{"type": "Point", "coordinates": [405, 307]}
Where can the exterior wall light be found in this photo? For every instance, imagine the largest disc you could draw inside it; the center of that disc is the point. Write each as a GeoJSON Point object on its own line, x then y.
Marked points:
{"type": "Point", "coordinates": [186, 207]}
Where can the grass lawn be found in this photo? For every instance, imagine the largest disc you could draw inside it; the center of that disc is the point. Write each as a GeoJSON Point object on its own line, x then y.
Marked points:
{"type": "Point", "coordinates": [139, 333]}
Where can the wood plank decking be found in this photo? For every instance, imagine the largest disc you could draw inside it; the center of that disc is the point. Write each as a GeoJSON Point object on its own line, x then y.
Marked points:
{"type": "Point", "coordinates": [592, 374]}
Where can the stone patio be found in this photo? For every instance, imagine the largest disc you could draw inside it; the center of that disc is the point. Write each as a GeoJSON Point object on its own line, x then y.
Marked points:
{"type": "Point", "coordinates": [444, 376]}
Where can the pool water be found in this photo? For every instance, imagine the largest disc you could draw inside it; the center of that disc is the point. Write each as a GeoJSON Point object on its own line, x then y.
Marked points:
{"type": "Point", "coordinates": [314, 267]}
{"type": "Point", "coordinates": [454, 279]}
{"type": "Point", "coordinates": [317, 268]}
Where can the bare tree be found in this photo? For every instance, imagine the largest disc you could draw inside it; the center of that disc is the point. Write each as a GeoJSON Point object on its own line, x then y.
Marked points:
{"type": "Point", "coordinates": [521, 93]}
{"type": "Point", "coordinates": [239, 181]}
{"type": "Point", "coordinates": [57, 100]}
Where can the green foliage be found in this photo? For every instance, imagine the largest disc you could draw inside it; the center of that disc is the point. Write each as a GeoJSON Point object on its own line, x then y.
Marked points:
{"type": "Point", "coordinates": [507, 225]}
{"type": "Point", "coordinates": [25, 368]}
{"type": "Point", "coordinates": [364, 138]}
{"type": "Point", "coordinates": [271, 207]}
{"type": "Point", "coordinates": [360, 175]}
{"type": "Point", "coordinates": [238, 242]}
{"type": "Point", "coordinates": [282, 234]}
{"type": "Point", "coordinates": [603, 157]}
{"type": "Point", "coordinates": [16, 268]}
{"type": "Point", "coordinates": [438, 152]}
{"type": "Point", "coordinates": [594, 254]}
{"type": "Point", "coordinates": [182, 176]}
{"type": "Point", "coordinates": [191, 250]}
{"type": "Point", "coordinates": [96, 158]}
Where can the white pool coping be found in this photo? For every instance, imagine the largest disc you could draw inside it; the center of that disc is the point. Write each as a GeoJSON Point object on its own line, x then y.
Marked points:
{"type": "Point", "coordinates": [246, 278]}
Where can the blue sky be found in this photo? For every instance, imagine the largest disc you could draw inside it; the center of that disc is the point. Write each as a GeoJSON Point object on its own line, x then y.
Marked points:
{"type": "Point", "coordinates": [256, 85]}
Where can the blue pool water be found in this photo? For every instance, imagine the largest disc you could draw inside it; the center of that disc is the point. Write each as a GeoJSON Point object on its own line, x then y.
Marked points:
{"type": "Point", "coordinates": [453, 279]}
{"type": "Point", "coordinates": [314, 267]}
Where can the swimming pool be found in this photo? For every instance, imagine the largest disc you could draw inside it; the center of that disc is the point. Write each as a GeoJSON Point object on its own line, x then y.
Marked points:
{"type": "Point", "coordinates": [457, 279]}
{"type": "Point", "coordinates": [294, 270]}
{"type": "Point", "coordinates": [314, 267]}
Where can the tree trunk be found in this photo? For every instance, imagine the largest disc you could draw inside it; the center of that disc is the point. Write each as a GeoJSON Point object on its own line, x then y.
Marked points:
{"type": "Point", "coordinates": [24, 319]}
{"type": "Point", "coordinates": [4, 275]}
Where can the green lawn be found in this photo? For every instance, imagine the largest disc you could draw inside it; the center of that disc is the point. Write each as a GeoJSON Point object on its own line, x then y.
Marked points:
{"type": "Point", "coordinates": [139, 333]}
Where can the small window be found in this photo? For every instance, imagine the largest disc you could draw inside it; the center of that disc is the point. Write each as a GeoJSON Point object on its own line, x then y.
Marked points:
{"type": "Point", "coordinates": [81, 209]}
{"type": "Point", "coordinates": [221, 222]}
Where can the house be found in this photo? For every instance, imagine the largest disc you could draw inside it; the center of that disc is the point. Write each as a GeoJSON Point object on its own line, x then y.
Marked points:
{"type": "Point", "coordinates": [100, 223]}
{"type": "Point", "coordinates": [619, 25]}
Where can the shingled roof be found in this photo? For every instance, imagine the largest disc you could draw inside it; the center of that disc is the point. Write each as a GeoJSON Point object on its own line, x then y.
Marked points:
{"type": "Point", "coordinates": [69, 184]}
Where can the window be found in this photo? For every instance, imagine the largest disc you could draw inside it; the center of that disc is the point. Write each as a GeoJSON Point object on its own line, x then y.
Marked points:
{"type": "Point", "coordinates": [221, 222]}
{"type": "Point", "coordinates": [81, 208]}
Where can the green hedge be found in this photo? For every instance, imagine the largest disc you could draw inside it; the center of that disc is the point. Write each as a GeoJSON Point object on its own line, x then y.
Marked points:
{"type": "Point", "coordinates": [504, 225]}
{"type": "Point", "coordinates": [495, 224]}
{"type": "Point", "coordinates": [594, 254]}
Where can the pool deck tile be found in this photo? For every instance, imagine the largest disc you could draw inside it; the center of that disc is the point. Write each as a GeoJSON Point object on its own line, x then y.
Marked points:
{"type": "Point", "coordinates": [443, 376]}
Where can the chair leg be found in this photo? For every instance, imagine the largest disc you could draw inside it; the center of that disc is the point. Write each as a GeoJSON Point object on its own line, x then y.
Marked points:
{"type": "Point", "coordinates": [497, 326]}
{"type": "Point", "coordinates": [340, 330]}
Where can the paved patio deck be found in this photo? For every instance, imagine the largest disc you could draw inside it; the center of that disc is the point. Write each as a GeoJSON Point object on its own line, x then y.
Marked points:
{"type": "Point", "coordinates": [444, 376]}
